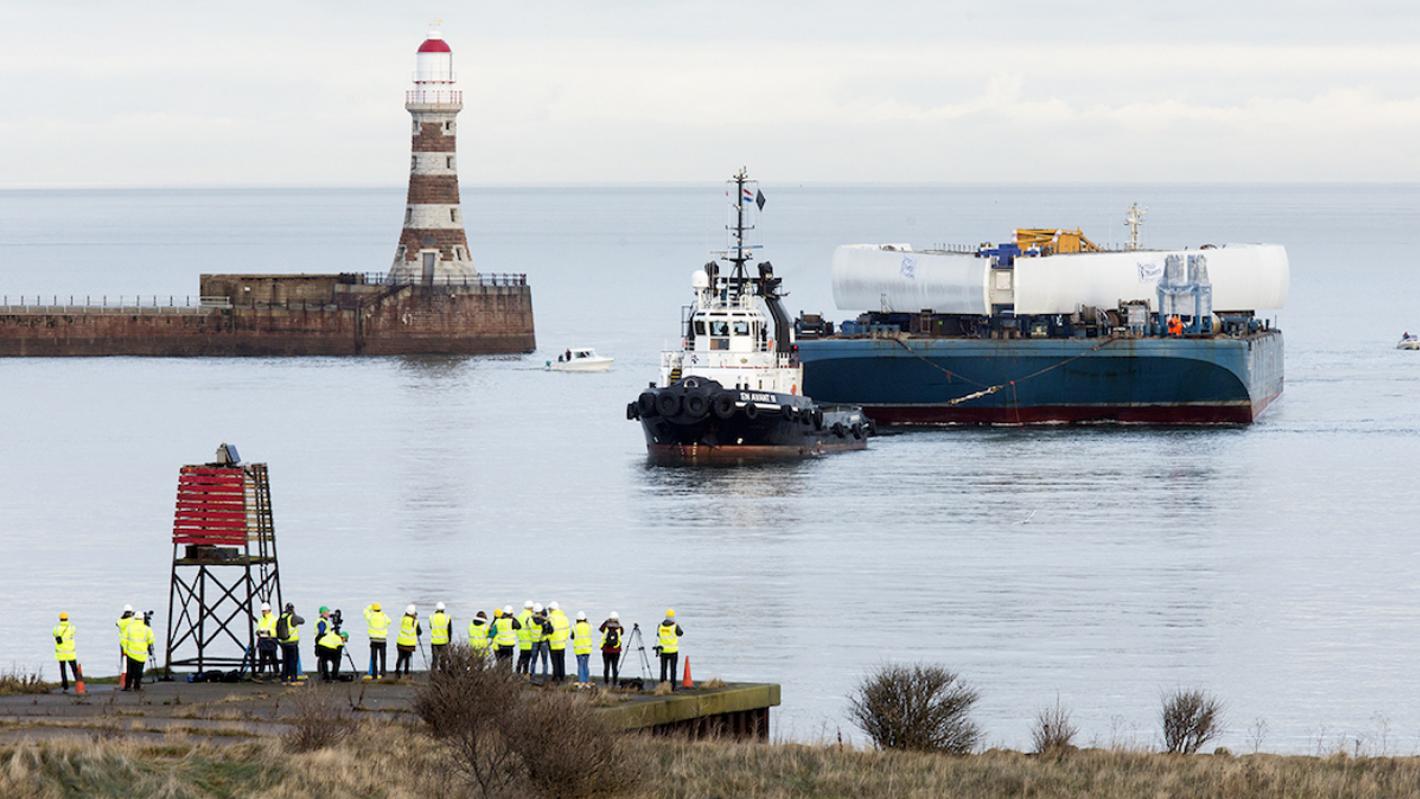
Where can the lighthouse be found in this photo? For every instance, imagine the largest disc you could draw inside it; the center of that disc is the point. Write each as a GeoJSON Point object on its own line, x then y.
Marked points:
{"type": "Point", "coordinates": [433, 247]}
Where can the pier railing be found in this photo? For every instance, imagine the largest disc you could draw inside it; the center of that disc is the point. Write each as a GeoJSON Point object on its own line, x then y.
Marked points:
{"type": "Point", "coordinates": [467, 281]}
{"type": "Point", "coordinates": [129, 304]}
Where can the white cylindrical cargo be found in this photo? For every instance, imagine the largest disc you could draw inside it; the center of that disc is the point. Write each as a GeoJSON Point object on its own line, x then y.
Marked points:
{"type": "Point", "coordinates": [1245, 277]}
{"type": "Point", "coordinates": [891, 277]}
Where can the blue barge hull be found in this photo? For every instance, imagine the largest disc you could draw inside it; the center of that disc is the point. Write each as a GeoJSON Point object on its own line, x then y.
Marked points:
{"type": "Point", "coordinates": [1218, 380]}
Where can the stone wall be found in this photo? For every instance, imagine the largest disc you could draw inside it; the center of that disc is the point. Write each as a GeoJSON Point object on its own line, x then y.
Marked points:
{"type": "Point", "coordinates": [408, 320]}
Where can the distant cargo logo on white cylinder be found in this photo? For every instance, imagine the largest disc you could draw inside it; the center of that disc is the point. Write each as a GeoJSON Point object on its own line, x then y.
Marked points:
{"type": "Point", "coordinates": [909, 267]}
{"type": "Point", "coordinates": [1150, 272]}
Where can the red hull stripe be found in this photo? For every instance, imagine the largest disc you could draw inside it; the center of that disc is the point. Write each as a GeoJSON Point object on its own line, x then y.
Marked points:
{"type": "Point", "coordinates": [694, 453]}
{"type": "Point", "coordinates": [1244, 413]}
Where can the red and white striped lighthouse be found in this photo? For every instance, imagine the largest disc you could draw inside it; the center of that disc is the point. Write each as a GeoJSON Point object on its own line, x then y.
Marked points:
{"type": "Point", "coordinates": [433, 245]}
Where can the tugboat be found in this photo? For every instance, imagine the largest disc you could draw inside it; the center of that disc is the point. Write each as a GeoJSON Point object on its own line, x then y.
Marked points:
{"type": "Point", "coordinates": [734, 390]}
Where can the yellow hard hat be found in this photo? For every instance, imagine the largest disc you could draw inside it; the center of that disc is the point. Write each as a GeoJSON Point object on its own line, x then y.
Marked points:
{"type": "Point", "coordinates": [374, 606]}
{"type": "Point", "coordinates": [64, 617]}
{"type": "Point", "coordinates": [670, 613]}
{"type": "Point", "coordinates": [497, 613]}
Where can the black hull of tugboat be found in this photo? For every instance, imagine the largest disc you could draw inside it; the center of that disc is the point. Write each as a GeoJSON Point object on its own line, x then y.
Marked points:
{"type": "Point", "coordinates": [698, 420]}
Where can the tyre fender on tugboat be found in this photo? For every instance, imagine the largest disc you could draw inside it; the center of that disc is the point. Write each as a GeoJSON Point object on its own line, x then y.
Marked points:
{"type": "Point", "coordinates": [667, 404]}
{"type": "Point", "coordinates": [696, 404]}
{"type": "Point", "coordinates": [788, 412]}
{"type": "Point", "coordinates": [838, 429]}
{"type": "Point", "coordinates": [646, 403]}
{"type": "Point", "coordinates": [632, 411]}
{"type": "Point", "coordinates": [751, 410]}
{"type": "Point", "coordinates": [818, 418]}
{"type": "Point", "coordinates": [723, 406]}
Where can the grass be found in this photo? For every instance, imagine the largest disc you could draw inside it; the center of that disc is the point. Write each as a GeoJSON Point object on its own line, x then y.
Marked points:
{"type": "Point", "coordinates": [15, 680]}
{"type": "Point", "coordinates": [367, 764]}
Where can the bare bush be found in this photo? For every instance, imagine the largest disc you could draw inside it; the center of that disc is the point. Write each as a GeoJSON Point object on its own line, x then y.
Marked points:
{"type": "Point", "coordinates": [1190, 719]}
{"type": "Point", "coordinates": [318, 722]}
{"type": "Point", "coordinates": [1054, 731]}
{"type": "Point", "coordinates": [921, 708]}
{"type": "Point", "coordinates": [568, 749]}
{"type": "Point", "coordinates": [468, 705]}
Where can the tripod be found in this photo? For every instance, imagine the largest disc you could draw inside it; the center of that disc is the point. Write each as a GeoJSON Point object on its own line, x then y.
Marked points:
{"type": "Point", "coordinates": [634, 640]}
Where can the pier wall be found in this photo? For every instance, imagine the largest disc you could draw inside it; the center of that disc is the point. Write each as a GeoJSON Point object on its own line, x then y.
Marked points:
{"type": "Point", "coordinates": [291, 316]}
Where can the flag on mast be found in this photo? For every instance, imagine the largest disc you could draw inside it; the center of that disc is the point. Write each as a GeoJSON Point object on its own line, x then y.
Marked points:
{"type": "Point", "coordinates": [759, 199]}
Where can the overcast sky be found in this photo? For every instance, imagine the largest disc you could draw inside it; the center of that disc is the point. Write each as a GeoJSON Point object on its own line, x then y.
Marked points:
{"type": "Point", "coordinates": [614, 91]}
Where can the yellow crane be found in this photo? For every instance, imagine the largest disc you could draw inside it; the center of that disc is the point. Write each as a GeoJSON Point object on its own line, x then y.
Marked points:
{"type": "Point", "coordinates": [1052, 241]}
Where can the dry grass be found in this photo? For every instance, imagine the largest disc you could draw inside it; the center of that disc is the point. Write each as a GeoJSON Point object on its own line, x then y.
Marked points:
{"type": "Point", "coordinates": [367, 763]}
{"type": "Point", "coordinates": [16, 680]}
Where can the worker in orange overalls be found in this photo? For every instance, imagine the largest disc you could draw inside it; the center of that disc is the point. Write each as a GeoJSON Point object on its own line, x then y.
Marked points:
{"type": "Point", "coordinates": [1175, 326]}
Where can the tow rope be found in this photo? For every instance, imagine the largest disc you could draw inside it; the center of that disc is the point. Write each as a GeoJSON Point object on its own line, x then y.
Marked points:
{"type": "Point", "coordinates": [988, 390]}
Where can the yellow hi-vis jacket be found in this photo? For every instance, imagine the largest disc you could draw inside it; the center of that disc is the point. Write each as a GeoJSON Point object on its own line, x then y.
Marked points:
{"type": "Point", "coordinates": [331, 639]}
{"type": "Point", "coordinates": [478, 635]}
{"type": "Point", "coordinates": [525, 629]}
{"type": "Point", "coordinates": [64, 642]}
{"type": "Point", "coordinates": [122, 625]}
{"type": "Point", "coordinates": [668, 639]}
{"type": "Point", "coordinates": [137, 637]}
{"type": "Point", "coordinates": [561, 627]}
{"type": "Point", "coordinates": [266, 625]}
{"type": "Point", "coordinates": [293, 631]}
{"type": "Point", "coordinates": [439, 627]}
{"type": "Point", "coordinates": [407, 626]}
{"type": "Point", "coordinates": [504, 634]}
{"type": "Point", "coordinates": [582, 638]}
{"type": "Point", "coordinates": [378, 623]}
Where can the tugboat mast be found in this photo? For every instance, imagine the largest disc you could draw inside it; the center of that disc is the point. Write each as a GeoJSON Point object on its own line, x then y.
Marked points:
{"type": "Point", "coordinates": [739, 254]}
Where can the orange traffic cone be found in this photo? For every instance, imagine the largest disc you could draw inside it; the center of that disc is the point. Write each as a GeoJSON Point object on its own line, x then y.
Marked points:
{"type": "Point", "coordinates": [79, 688]}
{"type": "Point", "coordinates": [686, 682]}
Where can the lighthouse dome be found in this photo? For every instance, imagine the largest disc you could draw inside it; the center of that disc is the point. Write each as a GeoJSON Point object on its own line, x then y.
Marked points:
{"type": "Point", "coordinates": [434, 62]}
{"type": "Point", "coordinates": [434, 44]}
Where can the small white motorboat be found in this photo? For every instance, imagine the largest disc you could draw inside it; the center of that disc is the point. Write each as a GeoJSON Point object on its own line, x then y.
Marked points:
{"type": "Point", "coordinates": [1409, 341]}
{"type": "Point", "coordinates": [580, 359]}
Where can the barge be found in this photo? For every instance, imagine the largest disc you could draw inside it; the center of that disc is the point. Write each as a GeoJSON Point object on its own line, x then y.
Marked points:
{"type": "Point", "coordinates": [1052, 329]}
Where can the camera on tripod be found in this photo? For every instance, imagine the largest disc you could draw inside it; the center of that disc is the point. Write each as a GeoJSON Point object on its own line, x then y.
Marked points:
{"type": "Point", "coordinates": [336, 620]}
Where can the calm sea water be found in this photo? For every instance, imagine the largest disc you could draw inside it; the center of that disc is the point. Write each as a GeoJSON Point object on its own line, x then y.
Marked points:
{"type": "Point", "coordinates": [1273, 565]}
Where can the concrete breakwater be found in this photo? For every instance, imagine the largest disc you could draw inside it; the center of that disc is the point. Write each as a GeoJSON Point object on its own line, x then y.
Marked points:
{"type": "Point", "coordinates": [288, 315]}
{"type": "Point", "coordinates": [232, 712]}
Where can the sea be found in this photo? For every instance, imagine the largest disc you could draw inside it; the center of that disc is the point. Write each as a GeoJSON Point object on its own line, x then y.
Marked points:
{"type": "Point", "coordinates": [1274, 566]}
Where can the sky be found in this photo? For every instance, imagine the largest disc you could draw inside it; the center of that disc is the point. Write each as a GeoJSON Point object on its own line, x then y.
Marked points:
{"type": "Point", "coordinates": [310, 93]}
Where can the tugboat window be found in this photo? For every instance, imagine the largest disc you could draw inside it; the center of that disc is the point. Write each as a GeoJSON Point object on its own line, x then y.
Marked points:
{"type": "Point", "coordinates": [699, 328]}
{"type": "Point", "coordinates": [741, 328]}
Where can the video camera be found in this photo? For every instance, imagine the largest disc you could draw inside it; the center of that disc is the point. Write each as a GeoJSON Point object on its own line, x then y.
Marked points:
{"type": "Point", "coordinates": [336, 620]}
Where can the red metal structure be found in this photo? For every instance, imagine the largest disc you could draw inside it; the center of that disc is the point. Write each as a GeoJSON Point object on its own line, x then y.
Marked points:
{"type": "Point", "coordinates": [224, 562]}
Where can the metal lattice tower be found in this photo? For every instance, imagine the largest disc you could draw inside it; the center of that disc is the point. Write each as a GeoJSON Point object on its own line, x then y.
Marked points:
{"type": "Point", "coordinates": [224, 563]}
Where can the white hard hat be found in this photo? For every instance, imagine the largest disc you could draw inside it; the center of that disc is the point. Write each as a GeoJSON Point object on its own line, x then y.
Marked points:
{"type": "Point", "coordinates": [537, 608]}
{"type": "Point", "coordinates": [528, 604]}
{"type": "Point", "coordinates": [552, 606]}
{"type": "Point", "coordinates": [410, 611]}
{"type": "Point", "coordinates": [507, 610]}
{"type": "Point", "coordinates": [266, 606]}
{"type": "Point", "coordinates": [615, 616]}
{"type": "Point", "coordinates": [127, 608]}
{"type": "Point", "coordinates": [581, 615]}
{"type": "Point", "coordinates": [439, 606]}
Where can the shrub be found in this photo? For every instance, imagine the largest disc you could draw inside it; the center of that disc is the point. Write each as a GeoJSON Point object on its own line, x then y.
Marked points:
{"type": "Point", "coordinates": [318, 722]}
{"type": "Point", "coordinates": [468, 705]}
{"type": "Point", "coordinates": [1190, 719]}
{"type": "Point", "coordinates": [1054, 732]}
{"type": "Point", "coordinates": [921, 708]}
{"type": "Point", "coordinates": [567, 749]}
